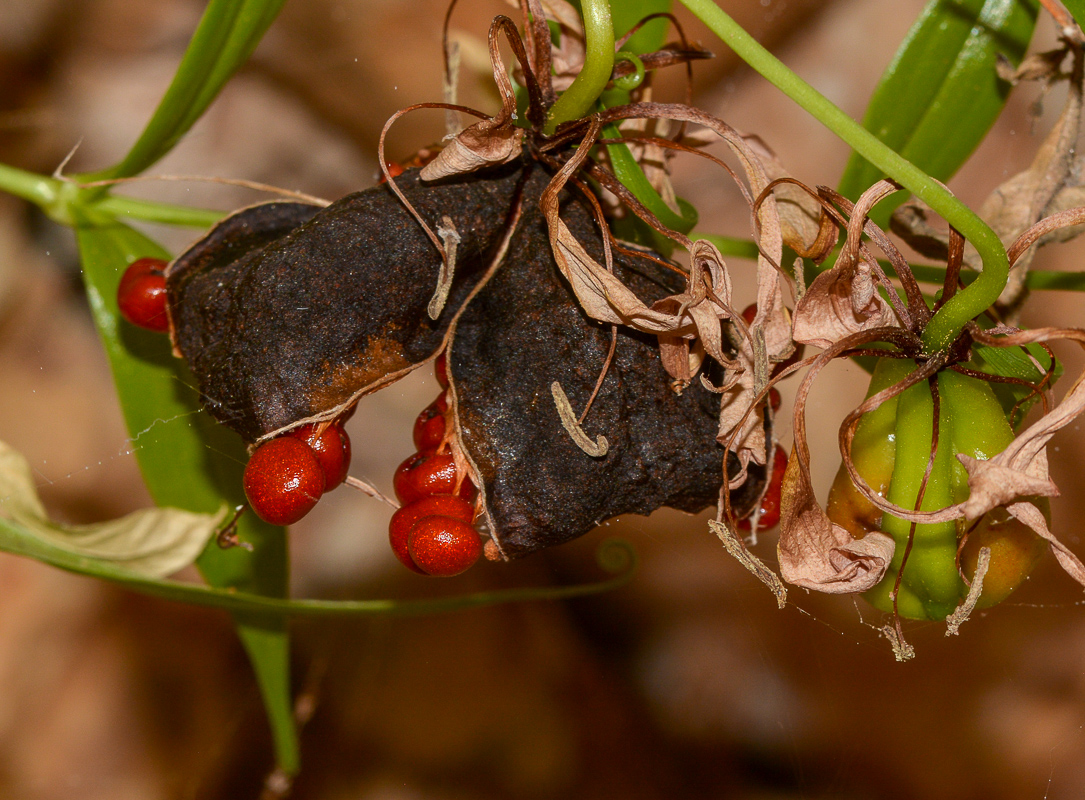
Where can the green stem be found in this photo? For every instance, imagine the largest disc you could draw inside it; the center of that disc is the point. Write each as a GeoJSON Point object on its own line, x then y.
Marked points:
{"type": "Point", "coordinates": [579, 99]}
{"type": "Point", "coordinates": [38, 189]}
{"type": "Point", "coordinates": [953, 316]}
{"type": "Point", "coordinates": [628, 171]}
{"type": "Point", "coordinates": [65, 201]}
{"type": "Point", "coordinates": [130, 208]}
{"type": "Point", "coordinates": [616, 557]}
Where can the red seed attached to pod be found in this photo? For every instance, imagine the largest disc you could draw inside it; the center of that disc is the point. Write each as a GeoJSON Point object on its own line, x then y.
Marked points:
{"type": "Point", "coordinates": [332, 449]}
{"type": "Point", "coordinates": [141, 295]}
{"type": "Point", "coordinates": [428, 473]}
{"type": "Point", "coordinates": [395, 169]}
{"type": "Point", "coordinates": [429, 426]}
{"type": "Point", "coordinates": [440, 505]}
{"type": "Point", "coordinates": [440, 369]}
{"type": "Point", "coordinates": [443, 546]}
{"type": "Point", "coordinates": [770, 503]}
{"type": "Point", "coordinates": [283, 480]}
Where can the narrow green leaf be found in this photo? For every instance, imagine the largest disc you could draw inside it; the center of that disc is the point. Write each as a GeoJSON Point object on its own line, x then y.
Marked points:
{"type": "Point", "coordinates": [1077, 10]}
{"type": "Point", "coordinates": [941, 94]}
{"type": "Point", "coordinates": [267, 642]}
{"type": "Point", "coordinates": [190, 462]}
{"type": "Point", "coordinates": [227, 34]}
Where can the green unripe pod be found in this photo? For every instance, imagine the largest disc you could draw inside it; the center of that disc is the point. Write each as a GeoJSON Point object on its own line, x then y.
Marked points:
{"type": "Point", "coordinates": [891, 450]}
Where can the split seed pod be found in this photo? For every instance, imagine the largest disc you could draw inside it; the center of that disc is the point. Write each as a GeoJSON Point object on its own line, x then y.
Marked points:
{"type": "Point", "coordinates": [288, 313]}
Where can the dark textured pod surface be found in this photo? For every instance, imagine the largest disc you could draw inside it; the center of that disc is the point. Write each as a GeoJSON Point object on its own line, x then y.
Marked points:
{"type": "Point", "coordinates": [285, 311]}
{"type": "Point", "coordinates": [523, 332]}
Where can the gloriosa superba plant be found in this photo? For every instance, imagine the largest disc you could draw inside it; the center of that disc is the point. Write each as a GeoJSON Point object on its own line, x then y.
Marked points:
{"type": "Point", "coordinates": [923, 532]}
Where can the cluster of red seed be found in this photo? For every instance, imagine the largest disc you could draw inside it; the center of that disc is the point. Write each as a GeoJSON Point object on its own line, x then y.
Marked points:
{"type": "Point", "coordinates": [286, 476]}
{"type": "Point", "coordinates": [432, 533]}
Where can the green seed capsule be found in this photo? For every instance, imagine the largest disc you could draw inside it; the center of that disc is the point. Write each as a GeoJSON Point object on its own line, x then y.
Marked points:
{"type": "Point", "coordinates": [891, 450]}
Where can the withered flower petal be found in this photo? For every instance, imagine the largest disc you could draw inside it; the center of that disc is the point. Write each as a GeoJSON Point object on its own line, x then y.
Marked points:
{"type": "Point", "coordinates": [818, 554]}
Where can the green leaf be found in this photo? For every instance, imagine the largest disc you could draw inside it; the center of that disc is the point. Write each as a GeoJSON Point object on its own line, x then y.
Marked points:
{"type": "Point", "coordinates": [190, 462]}
{"type": "Point", "coordinates": [941, 94]}
{"type": "Point", "coordinates": [227, 34]}
{"type": "Point", "coordinates": [1077, 10]}
{"type": "Point", "coordinates": [626, 14]}
{"type": "Point", "coordinates": [155, 541]}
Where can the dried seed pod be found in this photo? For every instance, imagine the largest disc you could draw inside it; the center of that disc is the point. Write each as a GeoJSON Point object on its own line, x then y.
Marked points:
{"type": "Point", "coordinates": [286, 312]}
{"type": "Point", "coordinates": [525, 331]}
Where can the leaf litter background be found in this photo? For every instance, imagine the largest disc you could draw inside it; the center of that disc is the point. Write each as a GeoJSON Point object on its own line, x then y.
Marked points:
{"type": "Point", "coordinates": [687, 683]}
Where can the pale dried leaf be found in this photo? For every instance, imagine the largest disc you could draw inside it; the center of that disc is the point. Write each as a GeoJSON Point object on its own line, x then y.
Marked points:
{"type": "Point", "coordinates": [1021, 469]}
{"type": "Point", "coordinates": [1032, 516]}
{"type": "Point", "coordinates": [596, 449]}
{"type": "Point", "coordinates": [604, 297]}
{"type": "Point", "coordinates": [451, 238]}
{"type": "Point", "coordinates": [800, 213]}
{"type": "Point", "coordinates": [838, 303]}
{"type": "Point", "coordinates": [737, 548]}
{"type": "Point", "coordinates": [814, 552]}
{"type": "Point", "coordinates": [484, 144]}
{"type": "Point", "coordinates": [154, 542]}
{"type": "Point", "coordinates": [902, 651]}
{"type": "Point", "coordinates": [961, 614]}
{"type": "Point", "coordinates": [742, 423]}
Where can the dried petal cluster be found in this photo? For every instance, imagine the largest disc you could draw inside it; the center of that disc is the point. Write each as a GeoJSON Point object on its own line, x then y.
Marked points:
{"type": "Point", "coordinates": [852, 306]}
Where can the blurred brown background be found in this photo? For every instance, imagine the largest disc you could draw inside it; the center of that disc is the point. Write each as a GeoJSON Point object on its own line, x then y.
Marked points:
{"type": "Point", "coordinates": [688, 683]}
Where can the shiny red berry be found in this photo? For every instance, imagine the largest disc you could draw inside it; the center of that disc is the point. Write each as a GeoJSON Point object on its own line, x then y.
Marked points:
{"type": "Point", "coordinates": [443, 546]}
{"type": "Point", "coordinates": [770, 503]}
{"type": "Point", "coordinates": [283, 480]}
{"type": "Point", "coordinates": [440, 369]}
{"type": "Point", "coordinates": [439, 505]}
{"type": "Point", "coordinates": [332, 449]}
{"type": "Point", "coordinates": [429, 427]}
{"type": "Point", "coordinates": [141, 295]}
{"type": "Point", "coordinates": [428, 473]}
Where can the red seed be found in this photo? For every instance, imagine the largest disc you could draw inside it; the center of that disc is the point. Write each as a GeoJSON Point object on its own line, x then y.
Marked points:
{"type": "Point", "coordinates": [770, 503]}
{"type": "Point", "coordinates": [441, 505]}
{"type": "Point", "coordinates": [443, 546]}
{"type": "Point", "coordinates": [332, 449]}
{"type": "Point", "coordinates": [428, 473]}
{"type": "Point", "coordinates": [775, 400]}
{"type": "Point", "coordinates": [141, 295]}
{"type": "Point", "coordinates": [394, 169]}
{"type": "Point", "coordinates": [429, 428]}
{"type": "Point", "coordinates": [440, 370]}
{"type": "Point", "coordinates": [283, 480]}
{"type": "Point", "coordinates": [749, 312]}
